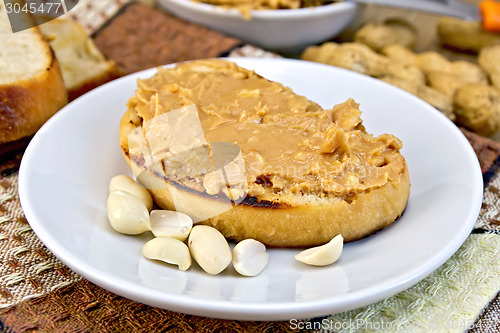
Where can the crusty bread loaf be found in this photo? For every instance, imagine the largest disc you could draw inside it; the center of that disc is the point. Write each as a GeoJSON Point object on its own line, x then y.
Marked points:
{"type": "Point", "coordinates": [31, 84]}
{"type": "Point", "coordinates": [83, 66]}
{"type": "Point", "coordinates": [352, 183]}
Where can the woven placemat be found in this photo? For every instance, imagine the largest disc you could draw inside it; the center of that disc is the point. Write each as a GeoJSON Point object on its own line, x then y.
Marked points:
{"type": "Point", "coordinates": [448, 300]}
{"type": "Point", "coordinates": [27, 268]}
{"type": "Point", "coordinates": [489, 321]}
{"type": "Point", "coordinates": [83, 307]}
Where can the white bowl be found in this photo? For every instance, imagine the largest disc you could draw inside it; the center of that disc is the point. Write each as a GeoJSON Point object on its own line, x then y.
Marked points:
{"type": "Point", "coordinates": [278, 30]}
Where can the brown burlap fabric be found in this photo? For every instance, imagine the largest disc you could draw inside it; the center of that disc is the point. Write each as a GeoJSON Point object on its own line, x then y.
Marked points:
{"type": "Point", "coordinates": [38, 293]}
{"type": "Point", "coordinates": [486, 150]}
{"type": "Point", "coordinates": [84, 307]}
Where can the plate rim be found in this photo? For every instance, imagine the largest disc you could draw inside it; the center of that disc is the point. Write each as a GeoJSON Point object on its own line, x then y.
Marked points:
{"type": "Point", "coordinates": [228, 309]}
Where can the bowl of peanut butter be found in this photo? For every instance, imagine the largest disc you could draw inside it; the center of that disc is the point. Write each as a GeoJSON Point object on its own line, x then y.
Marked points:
{"type": "Point", "coordinates": [276, 25]}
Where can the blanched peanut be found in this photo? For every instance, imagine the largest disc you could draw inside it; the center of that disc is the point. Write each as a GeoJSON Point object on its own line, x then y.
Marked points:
{"type": "Point", "coordinates": [209, 249]}
{"type": "Point", "coordinates": [127, 214]}
{"type": "Point", "coordinates": [250, 257]}
{"type": "Point", "coordinates": [169, 250]}
{"type": "Point", "coordinates": [322, 255]}
{"type": "Point", "coordinates": [127, 184]}
{"type": "Point", "coordinates": [167, 223]}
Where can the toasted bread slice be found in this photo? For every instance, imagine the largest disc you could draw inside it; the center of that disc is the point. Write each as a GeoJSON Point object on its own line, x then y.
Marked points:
{"type": "Point", "coordinates": [309, 174]}
{"type": "Point", "coordinates": [31, 85]}
{"type": "Point", "coordinates": [83, 66]}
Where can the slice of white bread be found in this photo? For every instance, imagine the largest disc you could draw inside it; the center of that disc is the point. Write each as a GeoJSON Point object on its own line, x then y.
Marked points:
{"type": "Point", "coordinates": [364, 189]}
{"type": "Point", "coordinates": [83, 65]}
{"type": "Point", "coordinates": [31, 84]}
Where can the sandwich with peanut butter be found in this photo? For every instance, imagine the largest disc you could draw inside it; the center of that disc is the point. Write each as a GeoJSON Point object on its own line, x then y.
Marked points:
{"type": "Point", "coordinates": [253, 159]}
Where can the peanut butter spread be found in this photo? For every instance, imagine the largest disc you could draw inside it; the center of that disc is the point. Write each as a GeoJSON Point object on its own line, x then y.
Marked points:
{"type": "Point", "coordinates": [289, 144]}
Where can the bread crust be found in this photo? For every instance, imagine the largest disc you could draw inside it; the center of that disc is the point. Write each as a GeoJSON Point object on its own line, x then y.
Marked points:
{"type": "Point", "coordinates": [285, 226]}
{"type": "Point", "coordinates": [26, 105]}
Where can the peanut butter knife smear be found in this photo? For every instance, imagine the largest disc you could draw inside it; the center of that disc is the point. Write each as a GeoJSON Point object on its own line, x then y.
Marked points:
{"type": "Point", "coordinates": [253, 159]}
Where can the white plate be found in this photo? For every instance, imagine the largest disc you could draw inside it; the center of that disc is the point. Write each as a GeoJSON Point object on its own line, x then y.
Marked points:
{"type": "Point", "coordinates": [64, 179]}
